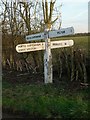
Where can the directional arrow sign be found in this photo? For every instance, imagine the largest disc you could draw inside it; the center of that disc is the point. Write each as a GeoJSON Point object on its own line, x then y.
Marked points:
{"type": "Point", "coordinates": [61, 32]}
{"type": "Point", "coordinates": [56, 33]}
{"type": "Point", "coordinates": [41, 45]}
{"type": "Point", "coordinates": [60, 44]}
{"type": "Point", "coordinates": [30, 47]}
{"type": "Point", "coordinates": [35, 37]}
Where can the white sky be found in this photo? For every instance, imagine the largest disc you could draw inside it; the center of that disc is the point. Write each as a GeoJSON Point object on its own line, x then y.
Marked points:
{"type": "Point", "coordinates": [74, 13]}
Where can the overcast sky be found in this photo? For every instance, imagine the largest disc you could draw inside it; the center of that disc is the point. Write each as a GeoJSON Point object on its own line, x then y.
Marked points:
{"type": "Point", "coordinates": [75, 13]}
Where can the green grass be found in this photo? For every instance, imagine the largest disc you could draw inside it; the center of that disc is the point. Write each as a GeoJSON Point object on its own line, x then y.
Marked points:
{"type": "Point", "coordinates": [45, 101]}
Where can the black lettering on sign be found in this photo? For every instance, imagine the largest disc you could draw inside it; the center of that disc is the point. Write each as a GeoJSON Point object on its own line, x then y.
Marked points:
{"type": "Point", "coordinates": [20, 46]}
{"type": "Point", "coordinates": [28, 48]}
{"type": "Point", "coordinates": [22, 49]}
{"type": "Point", "coordinates": [36, 44]}
{"type": "Point", "coordinates": [28, 45]}
{"type": "Point", "coordinates": [65, 43]}
{"type": "Point", "coordinates": [57, 43]}
{"type": "Point", "coordinates": [60, 32]}
{"type": "Point", "coordinates": [36, 36]}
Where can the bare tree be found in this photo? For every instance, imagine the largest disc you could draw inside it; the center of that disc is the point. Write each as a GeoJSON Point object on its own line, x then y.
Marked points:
{"type": "Point", "coordinates": [47, 12]}
{"type": "Point", "coordinates": [22, 18]}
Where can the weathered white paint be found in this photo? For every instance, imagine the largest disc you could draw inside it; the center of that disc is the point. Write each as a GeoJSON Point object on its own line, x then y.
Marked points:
{"type": "Point", "coordinates": [47, 59]}
{"type": "Point", "coordinates": [41, 45]}
{"type": "Point", "coordinates": [51, 34]}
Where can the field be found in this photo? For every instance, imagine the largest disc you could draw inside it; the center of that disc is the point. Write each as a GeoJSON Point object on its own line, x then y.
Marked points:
{"type": "Point", "coordinates": [26, 96]}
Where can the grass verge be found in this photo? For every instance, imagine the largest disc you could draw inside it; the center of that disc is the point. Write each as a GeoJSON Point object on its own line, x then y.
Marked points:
{"type": "Point", "coordinates": [47, 101]}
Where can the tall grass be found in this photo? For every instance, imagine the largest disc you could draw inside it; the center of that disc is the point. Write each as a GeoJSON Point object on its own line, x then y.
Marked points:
{"type": "Point", "coordinates": [47, 101]}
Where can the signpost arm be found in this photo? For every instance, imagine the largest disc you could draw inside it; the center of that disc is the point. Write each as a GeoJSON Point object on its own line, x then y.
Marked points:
{"type": "Point", "coordinates": [47, 58]}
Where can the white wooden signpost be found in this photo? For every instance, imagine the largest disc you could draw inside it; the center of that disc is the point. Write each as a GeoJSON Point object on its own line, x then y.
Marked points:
{"type": "Point", "coordinates": [41, 46]}
{"type": "Point", "coordinates": [47, 46]}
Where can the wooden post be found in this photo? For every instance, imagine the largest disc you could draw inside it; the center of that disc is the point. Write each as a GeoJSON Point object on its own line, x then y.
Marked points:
{"type": "Point", "coordinates": [47, 58]}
